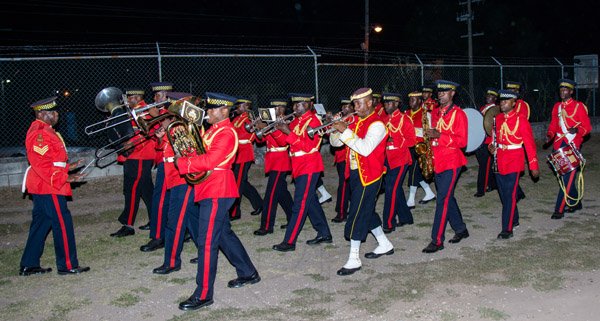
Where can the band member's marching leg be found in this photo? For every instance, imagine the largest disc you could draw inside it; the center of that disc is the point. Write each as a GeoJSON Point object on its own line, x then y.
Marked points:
{"type": "Point", "coordinates": [486, 180]}
{"type": "Point", "coordinates": [569, 124]}
{"type": "Point", "coordinates": [512, 134]}
{"type": "Point", "coordinates": [449, 137]}
{"type": "Point", "coordinates": [343, 193]}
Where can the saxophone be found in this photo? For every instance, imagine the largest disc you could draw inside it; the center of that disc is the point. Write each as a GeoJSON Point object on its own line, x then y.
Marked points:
{"type": "Point", "coordinates": [423, 150]}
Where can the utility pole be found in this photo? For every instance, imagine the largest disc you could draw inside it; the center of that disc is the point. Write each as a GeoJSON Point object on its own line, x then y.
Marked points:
{"type": "Point", "coordinates": [366, 43]}
{"type": "Point", "coordinates": [468, 17]}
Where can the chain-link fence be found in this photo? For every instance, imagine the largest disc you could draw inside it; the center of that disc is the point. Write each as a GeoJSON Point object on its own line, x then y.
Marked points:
{"type": "Point", "coordinates": [257, 73]}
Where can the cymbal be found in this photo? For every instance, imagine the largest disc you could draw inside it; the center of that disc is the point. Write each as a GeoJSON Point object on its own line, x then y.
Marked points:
{"type": "Point", "coordinates": [488, 119]}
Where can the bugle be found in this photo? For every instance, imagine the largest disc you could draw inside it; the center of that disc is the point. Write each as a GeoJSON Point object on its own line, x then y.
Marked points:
{"type": "Point", "coordinates": [327, 128]}
{"type": "Point", "coordinates": [272, 126]}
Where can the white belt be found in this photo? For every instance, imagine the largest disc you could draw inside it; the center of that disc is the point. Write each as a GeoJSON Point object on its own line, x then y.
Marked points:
{"type": "Point", "coordinates": [24, 185]}
{"type": "Point", "coordinates": [60, 164]}
{"type": "Point", "coordinates": [277, 149]}
{"type": "Point", "coordinates": [391, 147]}
{"type": "Point", "coordinates": [244, 141]}
{"type": "Point", "coordinates": [169, 159]}
{"type": "Point", "coordinates": [419, 132]}
{"type": "Point", "coordinates": [509, 147]}
{"type": "Point", "coordinates": [302, 153]}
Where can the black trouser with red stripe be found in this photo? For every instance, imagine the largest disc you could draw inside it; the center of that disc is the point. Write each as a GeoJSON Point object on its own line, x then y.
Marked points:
{"type": "Point", "coordinates": [395, 201]}
{"type": "Point", "coordinates": [215, 233]}
{"type": "Point", "coordinates": [276, 193]}
{"type": "Point", "coordinates": [507, 188]}
{"type": "Point", "coordinates": [182, 214]}
{"type": "Point", "coordinates": [415, 175]}
{"type": "Point", "coordinates": [485, 174]}
{"type": "Point", "coordinates": [160, 205]}
{"type": "Point", "coordinates": [362, 217]}
{"type": "Point", "coordinates": [343, 192]}
{"type": "Point", "coordinates": [137, 183]}
{"type": "Point", "coordinates": [306, 201]}
{"type": "Point", "coordinates": [240, 171]}
{"type": "Point", "coordinates": [570, 183]}
{"type": "Point", "coordinates": [446, 208]}
{"type": "Point", "coordinates": [50, 212]}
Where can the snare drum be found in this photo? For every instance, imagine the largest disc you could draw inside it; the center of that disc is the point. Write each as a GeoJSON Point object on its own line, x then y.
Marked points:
{"type": "Point", "coordinates": [566, 159]}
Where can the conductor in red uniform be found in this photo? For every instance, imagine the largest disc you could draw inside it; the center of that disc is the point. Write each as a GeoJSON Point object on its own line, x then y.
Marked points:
{"type": "Point", "coordinates": [570, 123]}
{"type": "Point", "coordinates": [214, 196]}
{"type": "Point", "coordinates": [514, 139]}
{"type": "Point", "coordinates": [48, 181]}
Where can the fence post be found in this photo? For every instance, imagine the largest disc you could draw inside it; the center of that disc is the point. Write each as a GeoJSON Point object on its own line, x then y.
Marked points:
{"type": "Point", "coordinates": [501, 73]}
{"type": "Point", "coordinates": [562, 68]}
{"type": "Point", "coordinates": [159, 62]}
{"type": "Point", "coordinates": [316, 75]}
{"type": "Point", "coordinates": [422, 71]}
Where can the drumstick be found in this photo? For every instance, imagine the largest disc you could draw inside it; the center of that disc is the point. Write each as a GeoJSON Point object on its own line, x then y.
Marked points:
{"type": "Point", "coordinates": [86, 166]}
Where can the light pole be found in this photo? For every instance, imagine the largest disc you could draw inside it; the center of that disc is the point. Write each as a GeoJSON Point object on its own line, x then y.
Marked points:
{"type": "Point", "coordinates": [368, 28]}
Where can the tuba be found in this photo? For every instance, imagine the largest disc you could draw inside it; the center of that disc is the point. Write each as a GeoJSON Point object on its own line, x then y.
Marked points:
{"type": "Point", "coordinates": [423, 149]}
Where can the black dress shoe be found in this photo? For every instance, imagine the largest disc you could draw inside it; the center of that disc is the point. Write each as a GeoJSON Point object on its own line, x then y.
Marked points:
{"type": "Point", "coordinates": [432, 248]}
{"type": "Point", "coordinates": [520, 197]}
{"type": "Point", "coordinates": [262, 232]}
{"type": "Point", "coordinates": [256, 211]}
{"type": "Point", "coordinates": [388, 230]}
{"type": "Point", "coordinates": [505, 235]}
{"type": "Point", "coordinates": [283, 227]}
{"type": "Point", "coordinates": [163, 269]}
{"type": "Point", "coordinates": [413, 207]}
{"type": "Point", "coordinates": [479, 194]}
{"type": "Point", "coordinates": [557, 216]}
{"type": "Point", "coordinates": [426, 201]}
{"type": "Point", "coordinates": [194, 303]}
{"type": "Point", "coordinates": [373, 255]}
{"type": "Point", "coordinates": [284, 247]}
{"type": "Point", "coordinates": [123, 231]}
{"type": "Point", "coordinates": [573, 209]}
{"type": "Point", "coordinates": [194, 260]}
{"type": "Point", "coordinates": [153, 245]}
{"type": "Point", "coordinates": [233, 218]}
{"type": "Point", "coordinates": [489, 189]}
{"type": "Point", "coordinates": [241, 281]}
{"type": "Point", "coordinates": [344, 271]}
{"type": "Point", "coordinates": [320, 239]}
{"type": "Point", "coordinates": [459, 236]}
{"type": "Point", "coordinates": [338, 219]}
{"type": "Point", "coordinates": [26, 271]}
{"type": "Point", "coordinates": [187, 237]}
{"type": "Point", "coordinates": [75, 270]}
{"type": "Point", "coordinates": [406, 223]}
{"type": "Point", "coordinates": [145, 227]}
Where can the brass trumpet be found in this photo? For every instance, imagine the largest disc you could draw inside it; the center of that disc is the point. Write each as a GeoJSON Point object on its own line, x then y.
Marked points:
{"type": "Point", "coordinates": [251, 128]}
{"type": "Point", "coordinates": [271, 127]}
{"type": "Point", "coordinates": [327, 128]}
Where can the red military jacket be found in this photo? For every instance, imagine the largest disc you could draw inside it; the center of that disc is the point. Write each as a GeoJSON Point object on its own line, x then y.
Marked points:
{"type": "Point", "coordinates": [246, 148]}
{"type": "Point", "coordinates": [339, 153]}
{"type": "Point", "coordinates": [221, 143]}
{"type": "Point", "coordinates": [47, 155]}
{"type": "Point", "coordinates": [277, 157]}
{"type": "Point", "coordinates": [483, 110]}
{"type": "Point", "coordinates": [146, 149]}
{"type": "Point", "coordinates": [401, 136]}
{"type": "Point", "coordinates": [451, 122]}
{"type": "Point", "coordinates": [371, 167]}
{"type": "Point", "coordinates": [522, 108]}
{"type": "Point", "coordinates": [380, 111]}
{"type": "Point", "coordinates": [574, 114]}
{"type": "Point", "coordinates": [513, 132]}
{"type": "Point", "coordinates": [305, 152]}
{"type": "Point", "coordinates": [417, 120]}
{"type": "Point", "coordinates": [431, 104]}
{"type": "Point", "coordinates": [172, 176]}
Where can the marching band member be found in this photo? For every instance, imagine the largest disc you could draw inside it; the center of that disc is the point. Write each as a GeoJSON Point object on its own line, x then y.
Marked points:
{"type": "Point", "coordinates": [521, 106]}
{"type": "Point", "coordinates": [307, 165]}
{"type": "Point", "coordinates": [244, 159]}
{"type": "Point", "coordinates": [449, 137]}
{"type": "Point", "coordinates": [366, 140]}
{"type": "Point", "coordinates": [397, 159]}
{"type": "Point", "coordinates": [160, 204]}
{"type": "Point", "coordinates": [428, 100]}
{"type": "Point", "coordinates": [415, 174]}
{"type": "Point", "coordinates": [48, 181]}
{"type": "Point", "coordinates": [570, 123]}
{"type": "Point", "coordinates": [339, 159]}
{"type": "Point", "coordinates": [513, 133]}
{"type": "Point", "coordinates": [181, 212]}
{"type": "Point", "coordinates": [137, 175]}
{"type": "Point", "coordinates": [486, 181]}
{"type": "Point", "coordinates": [277, 166]}
{"type": "Point", "coordinates": [215, 196]}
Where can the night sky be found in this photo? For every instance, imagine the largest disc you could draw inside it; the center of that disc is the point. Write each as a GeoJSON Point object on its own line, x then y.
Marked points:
{"type": "Point", "coordinates": [512, 28]}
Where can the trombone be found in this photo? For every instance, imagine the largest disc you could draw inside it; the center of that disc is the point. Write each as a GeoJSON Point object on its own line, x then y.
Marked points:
{"type": "Point", "coordinates": [327, 128]}
{"type": "Point", "coordinates": [271, 127]}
